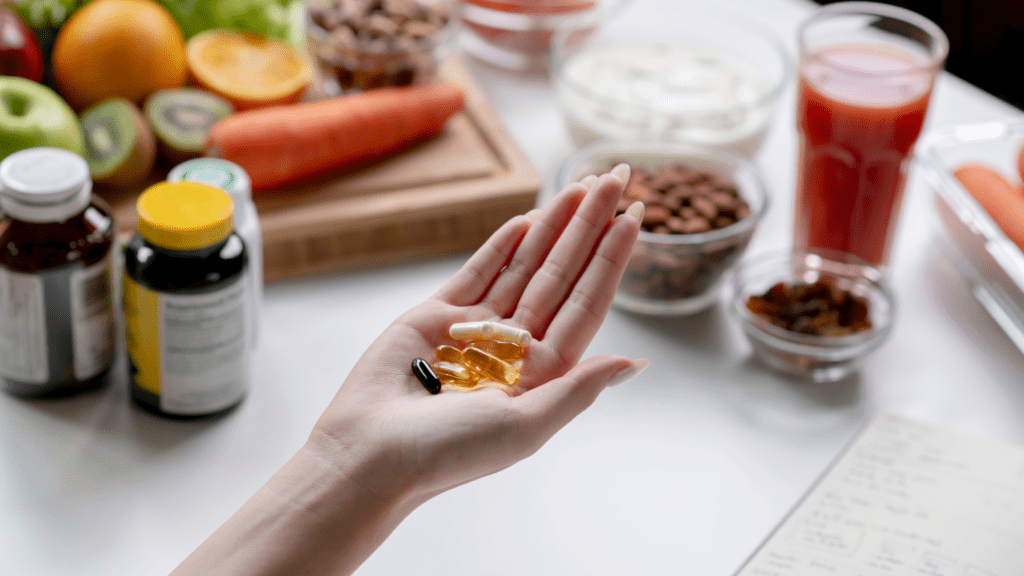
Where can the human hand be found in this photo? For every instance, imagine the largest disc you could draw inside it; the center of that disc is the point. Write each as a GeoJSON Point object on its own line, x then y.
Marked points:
{"type": "Point", "coordinates": [553, 273]}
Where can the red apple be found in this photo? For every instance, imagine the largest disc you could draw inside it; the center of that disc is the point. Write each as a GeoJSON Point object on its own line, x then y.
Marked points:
{"type": "Point", "coordinates": [19, 51]}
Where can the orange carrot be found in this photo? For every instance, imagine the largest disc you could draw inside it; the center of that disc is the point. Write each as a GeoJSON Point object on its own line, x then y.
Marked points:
{"type": "Point", "coordinates": [1003, 201]}
{"type": "Point", "coordinates": [283, 144]}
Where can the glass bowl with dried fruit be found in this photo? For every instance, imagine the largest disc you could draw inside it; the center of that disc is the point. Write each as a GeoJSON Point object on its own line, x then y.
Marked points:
{"type": "Point", "coordinates": [366, 44]}
{"type": "Point", "coordinates": [703, 205]}
{"type": "Point", "coordinates": [812, 315]}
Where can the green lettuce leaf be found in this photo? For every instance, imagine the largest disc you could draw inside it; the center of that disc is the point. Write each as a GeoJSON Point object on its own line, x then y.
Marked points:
{"type": "Point", "coordinates": [267, 17]}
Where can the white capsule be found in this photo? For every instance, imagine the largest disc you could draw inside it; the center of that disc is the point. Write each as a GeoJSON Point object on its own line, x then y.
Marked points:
{"type": "Point", "coordinates": [511, 334]}
{"type": "Point", "coordinates": [490, 330]}
{"type": "Point", "coordinates": [470, 330]}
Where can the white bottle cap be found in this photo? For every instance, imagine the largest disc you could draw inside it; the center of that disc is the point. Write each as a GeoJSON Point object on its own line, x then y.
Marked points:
{"type": "Point", "coordinates": [44, 185]}
{"type": "Point", "coordinates": [227, 176]}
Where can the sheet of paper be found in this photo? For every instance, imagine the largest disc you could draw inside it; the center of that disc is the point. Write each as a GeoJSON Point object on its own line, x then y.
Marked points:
{"type": "Point", "coordinates": [906, 499]}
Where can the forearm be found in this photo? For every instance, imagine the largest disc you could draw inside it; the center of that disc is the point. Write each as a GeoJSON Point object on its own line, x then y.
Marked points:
{"type": "Point", "coordinates": [314, 516]}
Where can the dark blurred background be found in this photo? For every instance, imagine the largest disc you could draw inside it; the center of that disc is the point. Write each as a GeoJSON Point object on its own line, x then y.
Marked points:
{"type": "Point", "coordinates": [986, 41]}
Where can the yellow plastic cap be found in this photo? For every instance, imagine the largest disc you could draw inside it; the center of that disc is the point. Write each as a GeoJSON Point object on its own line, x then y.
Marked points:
{"type": "Point", "coordinates": [184, 215]}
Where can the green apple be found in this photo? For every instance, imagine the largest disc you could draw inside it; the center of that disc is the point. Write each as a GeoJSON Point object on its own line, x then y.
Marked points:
{"type": "Point", "coordinates": [33, 115]}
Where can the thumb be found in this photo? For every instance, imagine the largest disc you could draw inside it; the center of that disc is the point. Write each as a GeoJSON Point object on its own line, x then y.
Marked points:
{"type": "Point", "coordinates": [551, 406]}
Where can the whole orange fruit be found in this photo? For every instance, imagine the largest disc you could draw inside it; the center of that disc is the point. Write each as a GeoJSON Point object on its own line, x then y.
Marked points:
{"type": "Point", "coordinates": [126, 48]}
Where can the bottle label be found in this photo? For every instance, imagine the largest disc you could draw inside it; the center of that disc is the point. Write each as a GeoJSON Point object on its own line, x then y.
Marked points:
{"type": "Point", "coordinates": [92, 318]}
{"type": "Point", "coordinates": [23, 344]}
{"type": "Point", "coordinates": [193, 351]}
{"type": "Point", "coordinates": [57, 324]}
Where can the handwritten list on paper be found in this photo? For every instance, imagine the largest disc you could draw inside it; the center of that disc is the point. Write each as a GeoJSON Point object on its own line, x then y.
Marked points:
{"type": "Point", "coordinates": [906, 499]}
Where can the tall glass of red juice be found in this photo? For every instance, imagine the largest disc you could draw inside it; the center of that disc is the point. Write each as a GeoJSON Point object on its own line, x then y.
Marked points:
{"type": "Point", "coordinates": [866, 76]}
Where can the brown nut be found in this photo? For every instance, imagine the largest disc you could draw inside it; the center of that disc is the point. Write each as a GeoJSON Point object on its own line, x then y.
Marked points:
{"type": "Point", "coordinates": [704, 206]}
{"type": "Point", "coordinates": [656, 214]}
{"type": "Point", "coordinates": [407, 9]}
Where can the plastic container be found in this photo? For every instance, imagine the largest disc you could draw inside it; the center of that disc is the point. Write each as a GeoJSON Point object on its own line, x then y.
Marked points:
{"type": "Point", "coordinates": [709, 78]}
{"type": "Point", "coordinates": [673, 274]}
{"type": "Point", "coordinates": [56, 302]}
{"type": "Point", "coordinates": [186, 303]}
{"type": "Point", "coordinates": [399, 43]}
{"type": "Point", "coordinates": [991, 262]}
{"type": "Point", "coordinates": [232, 178]}
{"type": "Point", "coordinates": [806, 356]}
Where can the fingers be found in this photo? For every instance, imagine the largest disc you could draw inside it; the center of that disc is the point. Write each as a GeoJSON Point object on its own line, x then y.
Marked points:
{"type": "Point", "coordinates": [545, 230]}
{"type": "Point", "coordinates": [549, 407]}
{"type": "Point", "coordinates": [555, 278]}
{"type": "Point", "coordinates": [470, 283]}
{"type": "Point", "coordinates": [582, 313]}
{"type": "Point", "coordinates": [530, 239]}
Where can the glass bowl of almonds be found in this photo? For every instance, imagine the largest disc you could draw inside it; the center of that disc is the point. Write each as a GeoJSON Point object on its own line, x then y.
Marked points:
{"type": "Point", "coordinates": [702, 206]}
{"type": "Point", "coordinates": [366, 44]}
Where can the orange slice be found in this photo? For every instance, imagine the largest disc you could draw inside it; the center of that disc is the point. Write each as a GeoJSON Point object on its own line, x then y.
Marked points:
{"type": "Point", "coordinates": [248, 70]}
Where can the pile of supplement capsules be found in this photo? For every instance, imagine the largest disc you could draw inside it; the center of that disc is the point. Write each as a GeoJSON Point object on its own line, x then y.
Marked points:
{"type": "Point", "coordinates": [491, 358]}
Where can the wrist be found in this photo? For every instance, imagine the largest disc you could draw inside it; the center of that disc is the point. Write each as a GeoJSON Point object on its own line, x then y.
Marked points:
{"type": "Point", "coordinates": [361, 472]}
{"type": "Point", "coordinates": [323, 512]}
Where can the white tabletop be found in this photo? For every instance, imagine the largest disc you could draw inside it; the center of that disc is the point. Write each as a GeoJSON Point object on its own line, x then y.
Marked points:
{"type": "Point", "coordinates": [684, 470]}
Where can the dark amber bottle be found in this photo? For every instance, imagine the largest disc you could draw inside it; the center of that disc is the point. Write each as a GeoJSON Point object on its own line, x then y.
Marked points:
{"type": "Point", "coordinates": [56, 247]}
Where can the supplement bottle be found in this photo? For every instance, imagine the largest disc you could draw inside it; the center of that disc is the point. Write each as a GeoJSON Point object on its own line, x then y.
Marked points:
{"type": "Point", "coordinates": [233, 179]}
{"type": "Point", "coordinates": [186, 306]}
{"type": "Point", "coordinates": [56, 247]}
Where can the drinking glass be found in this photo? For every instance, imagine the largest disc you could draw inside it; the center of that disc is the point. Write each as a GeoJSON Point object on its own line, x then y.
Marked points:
{"type": "Point", "coordinates": [866, 75]}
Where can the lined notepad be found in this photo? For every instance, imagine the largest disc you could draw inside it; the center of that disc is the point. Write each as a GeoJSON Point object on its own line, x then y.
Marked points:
{"type": "Point", "coordinates": [906, 499]}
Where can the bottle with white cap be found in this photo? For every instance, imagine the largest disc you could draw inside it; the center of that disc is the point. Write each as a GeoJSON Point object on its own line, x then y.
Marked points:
{"type": "Point", "coordinates": [233, 179]}
{"type": "Point", "coordinates": [56, 251]}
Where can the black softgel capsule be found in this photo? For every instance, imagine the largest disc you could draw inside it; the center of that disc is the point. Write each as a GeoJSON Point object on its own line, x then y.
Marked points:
{"type": "Point", "coordinates": [421, 368]}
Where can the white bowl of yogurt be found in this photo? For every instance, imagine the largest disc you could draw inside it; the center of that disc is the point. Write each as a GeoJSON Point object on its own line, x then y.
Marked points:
{"type": "Point", "coordinates": [696, 77]}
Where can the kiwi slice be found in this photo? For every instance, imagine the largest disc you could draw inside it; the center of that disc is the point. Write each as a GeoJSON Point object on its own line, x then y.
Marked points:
{"type": "Point", "coordinates": [119, 145]}
{"type": "Point", "coordinates": [181, 118]}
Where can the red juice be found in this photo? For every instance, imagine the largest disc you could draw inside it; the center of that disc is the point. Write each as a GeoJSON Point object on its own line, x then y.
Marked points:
{"type": "Point", "coordinates": [859, 112]}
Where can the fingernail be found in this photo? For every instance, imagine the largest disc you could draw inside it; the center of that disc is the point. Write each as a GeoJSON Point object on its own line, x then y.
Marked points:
{"type": "Point", "coordinates": [589, 181]}
{"type": "Point", "coordinates": [534, 214]}
{"type": "Point", "coordinates": [636, 210]}
{"type": "Point", "coordinates": [622, 172]}
{"type": "Point", "coordinates": [628, 373]}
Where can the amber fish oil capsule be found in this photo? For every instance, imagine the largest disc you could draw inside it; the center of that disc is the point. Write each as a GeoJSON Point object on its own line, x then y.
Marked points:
{"type": "Point", "coordinates": [507, 351]}
{"type": "Point", "coordinates": [455, 374]}
{"type": "Point", "coordinates": [490, 367]}
{"type": "Point", "coordinates": [446, 353]}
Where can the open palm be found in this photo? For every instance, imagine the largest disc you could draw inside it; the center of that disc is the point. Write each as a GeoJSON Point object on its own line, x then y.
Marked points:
{"type": "Point", "coordinates": [552, 273]}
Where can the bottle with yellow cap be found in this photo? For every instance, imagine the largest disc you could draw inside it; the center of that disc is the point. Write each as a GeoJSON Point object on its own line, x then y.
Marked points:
{"type": "Point", "coordinates": [187, 321]}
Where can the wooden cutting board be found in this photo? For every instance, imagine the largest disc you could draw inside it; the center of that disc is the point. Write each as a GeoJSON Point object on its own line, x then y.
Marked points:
{"type": "Point", "coordinates": [444, 196]}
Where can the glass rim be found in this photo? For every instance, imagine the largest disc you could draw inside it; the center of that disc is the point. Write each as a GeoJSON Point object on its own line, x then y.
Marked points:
{"type": "Point", "coordinates": [938, 52]}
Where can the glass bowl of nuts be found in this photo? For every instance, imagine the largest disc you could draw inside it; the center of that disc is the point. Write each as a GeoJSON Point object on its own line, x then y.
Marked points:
{"type": "Point", "coordinates": [703, 205]}
{"type": "Point", "coordinates": [366, 44]}
{"type": "Point", "coordinates": [812, 315]}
